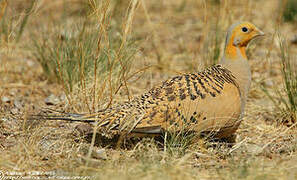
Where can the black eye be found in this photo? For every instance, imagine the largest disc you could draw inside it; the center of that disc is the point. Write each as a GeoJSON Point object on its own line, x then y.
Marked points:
{"type": "Point", "coordinates": [244, 29]}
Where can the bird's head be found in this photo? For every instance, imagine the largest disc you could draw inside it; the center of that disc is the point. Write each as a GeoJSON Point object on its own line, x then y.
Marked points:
{"type": "Point", "coordinates": [238, 37]}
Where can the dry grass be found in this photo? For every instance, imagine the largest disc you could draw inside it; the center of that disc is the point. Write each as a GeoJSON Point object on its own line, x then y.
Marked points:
{"type": "Point", "coordinates": [91, 54]}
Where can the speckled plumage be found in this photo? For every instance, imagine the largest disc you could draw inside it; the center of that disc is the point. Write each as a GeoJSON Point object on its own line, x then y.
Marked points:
{"type": "Point", "coordinates": [210, 100]}
{"type": "Point", "coordinates": [182, 102]}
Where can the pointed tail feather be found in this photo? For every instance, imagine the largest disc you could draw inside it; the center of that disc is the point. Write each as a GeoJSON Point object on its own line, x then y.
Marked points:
{"type": "Point", "coordinates": [63, 117]}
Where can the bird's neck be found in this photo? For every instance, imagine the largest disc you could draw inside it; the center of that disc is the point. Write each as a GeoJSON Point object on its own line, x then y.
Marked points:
{"type": "Point", "coordinates": [240, 68]}
{"type": "Point", "coordinates": [235, 60]}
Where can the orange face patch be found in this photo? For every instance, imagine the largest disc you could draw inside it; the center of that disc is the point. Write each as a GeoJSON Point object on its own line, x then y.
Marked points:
{"type": "Point", "coordinates": [241, 35]}
{"type": "Point", "coordinates": [232, 52]}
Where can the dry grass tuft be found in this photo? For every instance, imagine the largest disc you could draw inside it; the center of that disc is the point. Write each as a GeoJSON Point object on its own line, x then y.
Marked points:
{"type": "Point", "coordinates": [285, 101]}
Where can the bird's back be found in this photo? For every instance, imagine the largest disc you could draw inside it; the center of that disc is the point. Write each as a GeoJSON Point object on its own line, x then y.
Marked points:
{"type": "Point", "coordinates": [204, 101]}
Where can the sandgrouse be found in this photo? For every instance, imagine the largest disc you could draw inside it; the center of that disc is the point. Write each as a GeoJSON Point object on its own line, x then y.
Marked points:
{"type": "Point", "coordinates": [212, 100]}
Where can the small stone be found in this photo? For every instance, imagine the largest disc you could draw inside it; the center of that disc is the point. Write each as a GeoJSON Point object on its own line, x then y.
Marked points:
{"type": "Point", "coordinates": [84, 129]}
{"type": "Point", "coordinates": [256, 75]}
{"type": "Point", "coordinates": [269, 83]}
{"type": "Point", "coordinates": [273, 72]}
{"type": "Point", "coordinates": [294, 39]}
{"type": "Point", "coordinates": [17, 104]}
{"type": "Point", "coordinates": [5, 99]}
{"type": "Point", "coordinates": [254, 149]}
{"type": "Point", "coordinates": [268, 117]}
{"type": "Point", "coordinates": [99, 154]}
{"type": "Point", "coordinates": [52, 100]}
{"type": "Point", "coordinates": [13, 92]}
{"type": "Point", "coordinates": [30, 63]}
{"type": "Point", "coordinates": [14, 111]}
{"type": "Point", "coordinates": [201, 155]}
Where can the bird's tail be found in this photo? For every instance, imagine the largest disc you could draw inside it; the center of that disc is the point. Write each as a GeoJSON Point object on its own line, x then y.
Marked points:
{"type": "Point", "coordinates": [107, 120]}
{"type": "Point", "coordinates": [53, 115]}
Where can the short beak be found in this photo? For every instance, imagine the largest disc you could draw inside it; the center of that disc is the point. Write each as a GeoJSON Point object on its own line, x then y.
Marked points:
{"type": "Point", "coordinates": [259, 32]}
